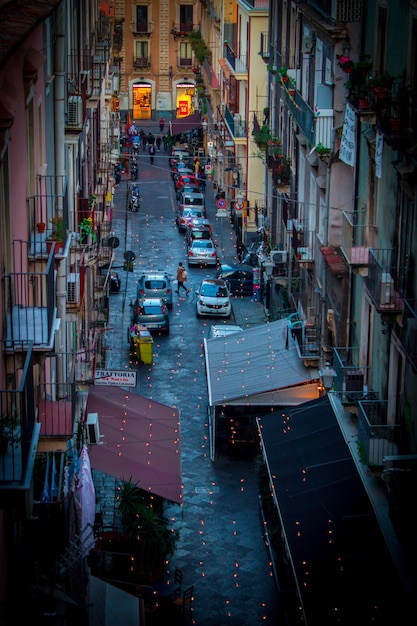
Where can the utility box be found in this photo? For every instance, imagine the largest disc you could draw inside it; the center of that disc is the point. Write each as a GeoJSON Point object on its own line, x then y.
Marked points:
{"type": "Point", "coordinates": [146, 347]}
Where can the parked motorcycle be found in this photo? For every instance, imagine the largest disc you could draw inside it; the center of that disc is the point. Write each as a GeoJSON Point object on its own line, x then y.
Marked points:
{"type": "Point", "coordinates": [134, 204]}
{"type": "Point", "coordinates": [134, 171]}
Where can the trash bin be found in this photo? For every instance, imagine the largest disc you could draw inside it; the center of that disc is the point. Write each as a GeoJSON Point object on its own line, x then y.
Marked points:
{"type": "Point", "coordinates": [146, 347]}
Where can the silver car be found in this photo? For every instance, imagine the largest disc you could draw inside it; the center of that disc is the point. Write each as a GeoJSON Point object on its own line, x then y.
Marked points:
{"type": "Point", "coordinates": [155, 284]}
{"type": "Point", "coordinates": [202, 252]}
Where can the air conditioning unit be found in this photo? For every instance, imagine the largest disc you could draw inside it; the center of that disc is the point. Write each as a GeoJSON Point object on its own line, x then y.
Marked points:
{"type": "Point", "coordinates": [84, 82]}
{"type": "Point", "coordinates": [387, 289]}
{"type": "Point", "coordinates": [75, 111]}
{"type": "Point", "coordinates": [73, 288]}
{"type": "Point", "coordinates": [93, 429]}
{"type": "Point", "coordinates": [278, 256]}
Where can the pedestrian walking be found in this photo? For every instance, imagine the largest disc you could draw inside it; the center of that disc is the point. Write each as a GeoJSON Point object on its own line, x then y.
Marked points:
{"type": "Point", "coordinates": [143, 141]}
{"type": "Point", "coordinates": [165, 142]}
{"type": "Point", "coordinates": [158, 143]}
{"type": "Point", "coordinates": [239, 250]}
{"type": "Point", "coordinates": [161, 124]}
{"type": "Point", "coordinates": [152, 152]}
{"type": "Point", "coordinates": [181, 278]}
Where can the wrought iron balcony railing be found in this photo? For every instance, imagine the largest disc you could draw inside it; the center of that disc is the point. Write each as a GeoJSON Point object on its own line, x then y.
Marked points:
{"type": "Point", "coordinates": [356, 239]}
{"type": "Point", "coordinates": [142, 62]}
{"type": "Point", "coordinates": [351, 381]}
{"type": "Point", "coordinates": [29, 302]}
{"type": "Point", "coordinates": [383, 280]}
{"type": "Point", "coordinates": [377, 437]}
{"type": "Point", "coordinates": [239, 64]}
{"type": "Point", "coordinates": [237, 127]}
{"type": "Point", "coordinates": [306, 336]}
{"type": "Point", "coordinates": [18, 431]}
{"type": "Point", "coordinates": [408, 331]}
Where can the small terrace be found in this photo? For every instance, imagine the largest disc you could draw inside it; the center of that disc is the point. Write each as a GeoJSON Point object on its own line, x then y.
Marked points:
{"type": "Point", "coordinates": [382, 282]}
{"type": "Point", "coordinates": [183, 29]}
{"type": "Point", "coordinates": [236, 126]}
{"type": "Point", "coordinates": [29, 303]}
{"type": "Point", "coordinates": [306, 334]}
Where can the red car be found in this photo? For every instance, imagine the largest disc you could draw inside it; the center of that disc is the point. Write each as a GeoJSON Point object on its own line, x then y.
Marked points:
{"type": "Point", "coordinates": [187, 179]}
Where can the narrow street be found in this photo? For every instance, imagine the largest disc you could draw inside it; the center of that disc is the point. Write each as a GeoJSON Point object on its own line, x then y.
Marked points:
{"type": "Point", "coordinates": [220, 549]}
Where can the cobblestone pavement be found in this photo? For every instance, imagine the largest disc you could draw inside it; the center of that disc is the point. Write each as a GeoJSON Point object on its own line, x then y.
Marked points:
{"type": "Point", "coordinates": [221, 548]}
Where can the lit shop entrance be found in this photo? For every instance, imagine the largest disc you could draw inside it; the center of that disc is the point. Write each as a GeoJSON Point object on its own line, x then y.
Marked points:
{"type": "Point", "coordinates": [185, 99]}
{"type": "Point", "coordinates": [142, 101]}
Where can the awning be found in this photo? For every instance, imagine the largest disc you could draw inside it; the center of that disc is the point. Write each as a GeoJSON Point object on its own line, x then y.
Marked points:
{"type": "Point", "coordinates": [185, 124]}
{"type": "Point", "coordinates": [334, 543]}
{"type": "Point", "coordinates": [225, 68]}
{"type": "Point", "coordinates": [259, 360]}
{"type": "Point", "coordinates": [139, 441]}
{"type": "Point", "coordinates": [111, 606]}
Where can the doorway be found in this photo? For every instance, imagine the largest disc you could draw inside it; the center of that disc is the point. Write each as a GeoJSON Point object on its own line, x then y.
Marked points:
{"type": "Point", "coordinates": [142, 101]}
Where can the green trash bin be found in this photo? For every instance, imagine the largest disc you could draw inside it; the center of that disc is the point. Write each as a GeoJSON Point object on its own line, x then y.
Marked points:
{"type": "Point", "coordinates": [146, 347]}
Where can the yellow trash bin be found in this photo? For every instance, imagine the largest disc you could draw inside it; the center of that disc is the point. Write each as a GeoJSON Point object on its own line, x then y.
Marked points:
{"type": "Point", "coordinates": [146, 347]}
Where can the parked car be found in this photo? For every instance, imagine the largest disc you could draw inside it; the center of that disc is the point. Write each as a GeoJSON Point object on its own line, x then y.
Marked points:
{"type": "Point", "coordinates": [239, 278]}
{"type": "Point", "coordinates": [202, 252]}
{"type": "Point", "coordinates": [155, 284]}
{"type": "Point", "coordinates": [181, 169]}
{"type": "Point", "coordinates": [224, 330]}
{"type": "Point", "coordinates": [196, 232]}
{"type": "Point", "coordinates": [178, 154]}
{"type": "Point", "coordinates": [213, 298]}
{"type": "Point", "coordinates": [115, 282]}
{"type": "Point", "coordinates": [200, 221]}
{"type": "Point", "coordinates": [186, 214]}
{"type": "Point", "coordinates": [152, 313]}
{"type": "Point", "coordinates": [192, 199]}
{"type": "Point", "coordinates": [184, 180]}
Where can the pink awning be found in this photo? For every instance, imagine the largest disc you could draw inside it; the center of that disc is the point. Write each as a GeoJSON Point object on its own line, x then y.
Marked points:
{"type": "Point", "coordinates": [139, 441]}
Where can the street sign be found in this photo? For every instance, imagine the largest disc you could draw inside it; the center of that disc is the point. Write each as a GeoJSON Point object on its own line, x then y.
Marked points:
{"type": "Point", "coordinates": [118, 378]}
{"type": "Point", "coordinates": [221, 203]}
{"type": "Point", "coordinates": [207, 169]}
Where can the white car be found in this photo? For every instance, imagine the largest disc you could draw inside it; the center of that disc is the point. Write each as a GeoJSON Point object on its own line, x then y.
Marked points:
{"type": "Point", "coordinates": [202, 252]}
{"type": "Point", "coordinates": [213, 298]}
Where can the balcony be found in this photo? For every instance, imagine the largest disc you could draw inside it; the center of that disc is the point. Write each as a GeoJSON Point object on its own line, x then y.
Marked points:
{"type": "Point", "coordinates": [381, 282]}
{"type": "Point", "coordinates": [317, 125]}
{"type": "Point", "coordinates": [307, 337]}
{"type": "Point", "coordinates": [17, 419]}
{"type": "Point", "coordinates": [29, 303]}
{"type": "Point", "coordinates": [141, 28]}
{"type": "Point", "coordinates": [56, 405]}
{"type": "Point", "coordinates": [351, 378]}
{"type": "Point", "coordinates": [182, 30]}
{"type": "Point", "coordinates": [377, 438]}
{"type": "Point", "coordinates": [354, 240]}
{"type": "Point", "coordinates": [236, 126]}
{"type": "Point", "coordinates": [239, 64]}
{"type": "Point", "coordinates": [185, 62]}
{"type": "Point", "coordinates": [408, 331]}
{"type": "Point", "coordinates": [141, 62]}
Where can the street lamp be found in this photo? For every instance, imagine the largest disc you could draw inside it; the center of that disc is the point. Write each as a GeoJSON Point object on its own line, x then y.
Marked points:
{"type": "Point", "coordinates": [269, 268]}
{"type": "Point", "coordinates": [220, 159]}
{"type": "Point", "coordinates": [327, 375]}
{"type": "Point", "coordinates": [204, 125]}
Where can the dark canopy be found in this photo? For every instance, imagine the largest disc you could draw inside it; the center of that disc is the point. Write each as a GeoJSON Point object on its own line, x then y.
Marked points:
{"type": "Point", "coordinates": [185, 124]}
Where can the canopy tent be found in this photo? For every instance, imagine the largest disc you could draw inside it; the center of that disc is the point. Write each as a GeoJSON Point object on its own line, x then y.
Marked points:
{"type": "Point", "coordinates": [139, 441]}
{"type": "Point", "coordinates": [335, 547]}
{"type": "Point", "coordinates": [185, 124]}
{"type": "Point", "coordinates": [259, 366]}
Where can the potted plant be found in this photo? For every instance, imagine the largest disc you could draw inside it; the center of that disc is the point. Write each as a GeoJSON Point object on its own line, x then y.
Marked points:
{"type": "Point", "coordinates": [146, 530]}
{"type": "Point", "coordinates": [381, 84]}
{"type": "Point", "coordinates": [283, 74]}
{"type": "Point", "coordinates": [57, 236]}
{"type": "Point", "coordinates": [9, 430]}
{"type": "Point", "coordinates": [359, 92]}
{"type": "Point", "coordinates": [41, 227]}
{"type": "Point", "coordinates": [345, 63]}
{"type": "Point", "coordinates": [363, 66]}
{"type": "Point", "coordinates": [262, 137]}
{"type": "Point", "coordinates": [321, 150]}
{"type": "Point", "coordinates": [86, 229]}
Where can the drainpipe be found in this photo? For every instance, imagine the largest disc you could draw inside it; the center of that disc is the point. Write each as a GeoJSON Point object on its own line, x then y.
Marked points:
{"type": "Point", "coordinates": [59, 131]}
{"type": "Point", "coordinates": [325, 243]}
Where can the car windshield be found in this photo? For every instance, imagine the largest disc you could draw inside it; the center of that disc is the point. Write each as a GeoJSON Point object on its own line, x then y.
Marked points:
{"type": "Point", "coordinates": [149, 309]}
{"type": "Point", "coordinates": [213, 290]}
{"type": "Point", "coordinates": [155, 284]}
{"type": "Point", "coordinates": [193, 212]}
{"type": "Point", "coordinates": [194, 200]}
{"type": "Point", "coordinates": [203, 244]}
{"type": "Point", "coordinates": [200, 234]}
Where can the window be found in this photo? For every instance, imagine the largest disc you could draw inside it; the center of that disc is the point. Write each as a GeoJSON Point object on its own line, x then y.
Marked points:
{"type": "Point", "coordinates": [186, 18]}
{"type": "Point", "coordinates": [186, 54]}
{"type": "Point", "coordinates": [141, 57]}
{"type": "Point", "coordinates": [141, 19]}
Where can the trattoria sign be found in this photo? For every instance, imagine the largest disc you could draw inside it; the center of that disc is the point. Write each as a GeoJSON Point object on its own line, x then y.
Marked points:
{"type": "Point", "coordinates": [118, 378]}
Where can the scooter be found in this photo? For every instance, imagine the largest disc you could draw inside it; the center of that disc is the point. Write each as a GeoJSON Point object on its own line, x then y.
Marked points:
{"type": "Point", "coordinates": [134, 204]}
{"type": "Point", "coordinates": [134, 171]}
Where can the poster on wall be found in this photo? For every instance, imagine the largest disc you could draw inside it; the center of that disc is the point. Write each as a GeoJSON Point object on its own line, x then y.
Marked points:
{"type": "Point", "coordinates": [183, 108]}
{"type": "Point", "coordinates": [348, 143]}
